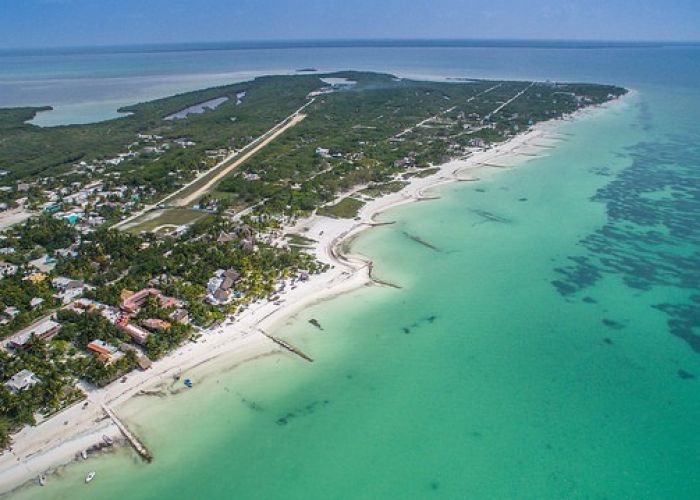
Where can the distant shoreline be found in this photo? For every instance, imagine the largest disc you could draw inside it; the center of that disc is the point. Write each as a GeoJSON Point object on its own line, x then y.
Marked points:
{"type": "Point", "coordinates": [343, 43]}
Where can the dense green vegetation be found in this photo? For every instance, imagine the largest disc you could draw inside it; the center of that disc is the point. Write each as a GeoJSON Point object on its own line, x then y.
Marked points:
{"type": "Point", "coordinates": [384, 188]}
{"type": "Point", "coordinates": [29, 152]}
{"type": "Point", "coordinates": [347, 208]}
{"type": "Point", "coordinates": [361, 126]}
{"type": "Point", "coordinates": [55, 367]}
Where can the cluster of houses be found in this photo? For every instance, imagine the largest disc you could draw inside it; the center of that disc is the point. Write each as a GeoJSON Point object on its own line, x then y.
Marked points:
{"type": "Point", "coordinates": [220, 287]}
{"type": "Point", "coordinates": [69, 202]}
{"type": "Point", "coordinates": [132, 303]}
{"type": "Point", "coordinates": [122, 317]}
{"type": "Point", "coordinates": [66, 289]}
{"type": "Point", "coordinates": [243, 236]}
{"type": "Point", "coordinates": [79, 205]}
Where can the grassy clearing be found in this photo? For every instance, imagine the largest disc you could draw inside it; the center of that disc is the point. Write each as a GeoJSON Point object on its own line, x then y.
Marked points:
{"type": "Point", "coordinates": [299, 240]}
{"type": "Point", "coordinates": [171, 216]}
{"type": "Point", "coordinates": [423, 173]}
{"type": "Point", "coordinates": [346, 208]}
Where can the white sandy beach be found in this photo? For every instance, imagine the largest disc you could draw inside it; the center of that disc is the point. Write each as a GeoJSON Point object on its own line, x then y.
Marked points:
{"type": "Point", "coordinates": [57, 440]}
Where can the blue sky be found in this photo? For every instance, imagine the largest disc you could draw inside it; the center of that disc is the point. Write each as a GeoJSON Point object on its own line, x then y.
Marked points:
{"type": "Point", "coordinates": [42, 23]}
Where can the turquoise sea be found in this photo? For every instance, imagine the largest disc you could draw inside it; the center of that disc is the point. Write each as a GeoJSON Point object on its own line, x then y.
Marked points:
{"type": "Point", "coordinates": [548, 347]}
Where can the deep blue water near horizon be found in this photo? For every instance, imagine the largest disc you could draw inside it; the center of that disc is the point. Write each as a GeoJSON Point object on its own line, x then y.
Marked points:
{"type": "Point", "coordinates": [548, 347]}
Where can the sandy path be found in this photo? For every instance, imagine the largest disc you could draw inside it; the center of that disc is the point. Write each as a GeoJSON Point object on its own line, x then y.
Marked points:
{"type": "Point", "coordinates": [225, 164]}
{"type": "Point", "coordinates": [202, 190]}
{"type": "Point", "coordinates": [14, 216]}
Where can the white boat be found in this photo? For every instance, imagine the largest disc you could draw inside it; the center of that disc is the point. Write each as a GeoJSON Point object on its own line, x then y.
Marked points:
{"type": "Point", "coordinates": [84, 454]}
{"type": "Point", "coordinates": [42, 479]}
{"type": "Point", "coordinates": [90, 477]}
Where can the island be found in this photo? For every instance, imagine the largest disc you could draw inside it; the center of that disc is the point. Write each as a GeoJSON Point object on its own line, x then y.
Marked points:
{"type": "Point", "coordinates": [145, 233]}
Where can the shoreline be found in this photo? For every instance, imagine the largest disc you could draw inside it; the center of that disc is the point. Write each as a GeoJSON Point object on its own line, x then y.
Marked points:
{"type": "Point", "coordinates": [54, 442]}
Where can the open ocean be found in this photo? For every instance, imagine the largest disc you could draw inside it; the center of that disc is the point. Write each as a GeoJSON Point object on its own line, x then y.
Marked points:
{"type": "Point", "coordinates": [547, 348]}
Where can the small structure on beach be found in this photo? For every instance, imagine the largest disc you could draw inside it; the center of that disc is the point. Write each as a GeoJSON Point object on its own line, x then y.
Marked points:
{"type": "Point", "coordinates": [144, 362]}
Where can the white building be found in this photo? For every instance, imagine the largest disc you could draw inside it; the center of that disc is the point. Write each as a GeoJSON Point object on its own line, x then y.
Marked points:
{"type": "Point", "coordinates": [7, 269]}
{"type": "Point", "coordinates": [21, 380]}
{"type": "Point", "coordinates": [36, 302]}
{"type": "Point", "coordinates": [68, 289]}
{"type": "Point", "coordinates": [45, 329]}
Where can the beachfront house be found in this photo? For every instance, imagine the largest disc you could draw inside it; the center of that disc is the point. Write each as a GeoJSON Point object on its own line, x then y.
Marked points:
{"type": "Point", "coordinates": [220, 286]}
{"type": "Point", "coordinates": [180, 316]}
{"type": "Point", "coordinates": [22, 380]}
{"type": "Point", "coordinates": [105, 352]}
{"type": "Point", "coordinates": [220, 297]}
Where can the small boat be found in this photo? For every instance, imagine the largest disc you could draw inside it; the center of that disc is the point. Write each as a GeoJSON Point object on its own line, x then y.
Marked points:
{"type": "Point", "coordinates": [90, 477]}
{"type": "Point", "coordinates": [188, 383]}
{"type": "Point", "coordinates": [84, 454]}
{"type": "Point", "coordinates": [108, 439]}
{"type": "Point", "coordinates": [42, 479]}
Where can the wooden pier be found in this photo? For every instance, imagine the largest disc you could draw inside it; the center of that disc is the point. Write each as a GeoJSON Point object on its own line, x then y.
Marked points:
{"type": "Point", "coordinates": [133, 440]}
{"type": "Point", "coordinates": [289, 347]}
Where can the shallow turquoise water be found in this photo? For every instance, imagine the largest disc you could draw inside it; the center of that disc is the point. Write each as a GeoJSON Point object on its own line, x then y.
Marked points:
{"type": "Point", "coordinates": [546, 349]}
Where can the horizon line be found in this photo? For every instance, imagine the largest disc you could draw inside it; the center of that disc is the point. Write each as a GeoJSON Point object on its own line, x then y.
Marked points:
{"type": "Point", "coordinates": [369, 42]}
